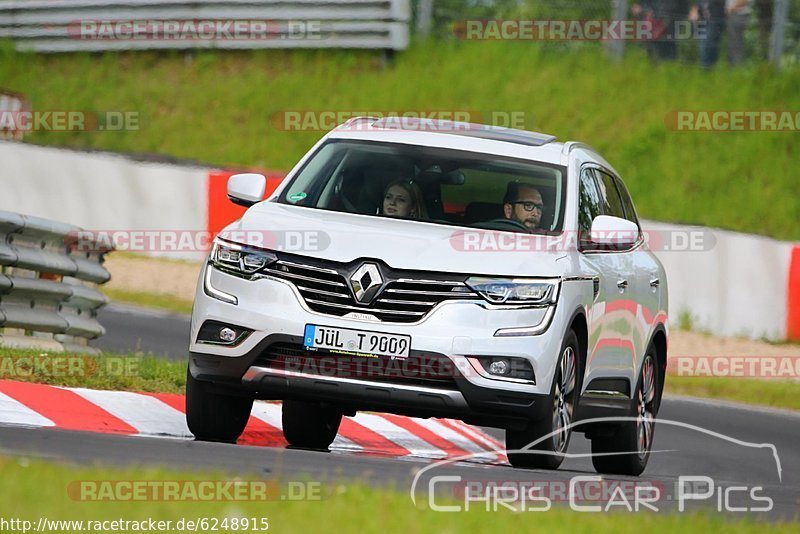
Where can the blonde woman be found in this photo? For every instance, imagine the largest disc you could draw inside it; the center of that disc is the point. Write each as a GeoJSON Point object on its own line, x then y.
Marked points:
{"type": "Point", "coordinates": [403, 198]}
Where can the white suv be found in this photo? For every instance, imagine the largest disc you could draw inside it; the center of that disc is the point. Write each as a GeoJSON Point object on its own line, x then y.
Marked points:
{"type": "Point", "coordinates": [442, 270]}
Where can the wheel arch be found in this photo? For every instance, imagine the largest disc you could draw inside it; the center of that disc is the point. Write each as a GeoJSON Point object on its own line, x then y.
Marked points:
{"type": "Point", "coordinates": [658, 340]}
{"type": "Point", "coordinates": [580, 326]}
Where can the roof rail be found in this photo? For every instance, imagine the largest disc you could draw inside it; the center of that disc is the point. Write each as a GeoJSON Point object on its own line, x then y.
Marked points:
{"type": "Point", "coordinates": [350, 122]}
{"type": "Point", "coordinates": [569, 146]}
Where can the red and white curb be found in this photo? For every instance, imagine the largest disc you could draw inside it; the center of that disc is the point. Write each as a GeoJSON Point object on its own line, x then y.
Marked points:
{"type": "Point", "coordinates": [163, 415]}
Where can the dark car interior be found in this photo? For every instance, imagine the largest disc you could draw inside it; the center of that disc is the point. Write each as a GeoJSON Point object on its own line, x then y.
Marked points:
{"type": "Point", "coordinates": [460, 191]}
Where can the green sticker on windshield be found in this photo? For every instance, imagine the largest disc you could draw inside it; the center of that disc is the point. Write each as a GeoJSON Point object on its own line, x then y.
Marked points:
{"type": "Point", "coordinates": [296, 197]}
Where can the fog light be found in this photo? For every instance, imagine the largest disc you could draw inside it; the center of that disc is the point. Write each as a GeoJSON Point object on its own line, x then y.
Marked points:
{"type": "Point", "coordinates": [219, 333]}
{"type": "Point", "coordinates": [504, 368]}
{"type": "Point", "coordinates": [227, 334]}
{"type": "Point", "coordinates": [498, 367]}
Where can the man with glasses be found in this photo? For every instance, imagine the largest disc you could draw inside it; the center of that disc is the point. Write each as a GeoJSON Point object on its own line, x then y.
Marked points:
{"type": "Point", "coordinates": [523, 203]}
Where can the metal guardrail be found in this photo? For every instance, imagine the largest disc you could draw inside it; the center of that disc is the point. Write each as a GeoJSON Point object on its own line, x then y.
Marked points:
{"type": "Point", "coordinates": [48, 294]}
{"type": "Point", "coordinates": [54, 25]}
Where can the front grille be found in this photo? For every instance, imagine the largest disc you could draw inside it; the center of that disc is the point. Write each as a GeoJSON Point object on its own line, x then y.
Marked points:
{"type": "Point", "coordinates": [419, 369]}
{"type": "Point", "coordinates": [402, 300]}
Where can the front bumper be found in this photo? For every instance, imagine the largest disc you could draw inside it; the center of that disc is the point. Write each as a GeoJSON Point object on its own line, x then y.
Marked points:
{"type": "Point", "coordinates": [277, 314]}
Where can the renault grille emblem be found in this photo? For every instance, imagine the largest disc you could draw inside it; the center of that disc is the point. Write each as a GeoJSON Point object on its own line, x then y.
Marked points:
{"type": "Point", "coordinates": [366, 282]}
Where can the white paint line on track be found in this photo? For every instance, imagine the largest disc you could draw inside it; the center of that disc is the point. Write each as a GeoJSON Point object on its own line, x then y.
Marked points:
{"type": "Point", "coordinates": [271, 414]}
{"type": "Point", "coordinates": [342, 444]}
{"type": "Point", "coordinates": [13, 412]}
{"type": "Point", "coordinates": [415, 445]}
{"type": "Point", "coordinates": [146, 414]}
{"type": "Point", "coordinates": [480, 437]}
{"type": "Point", "coordinates": [495, 447]}
{"type": "Point", "coordinates": [457, 439]}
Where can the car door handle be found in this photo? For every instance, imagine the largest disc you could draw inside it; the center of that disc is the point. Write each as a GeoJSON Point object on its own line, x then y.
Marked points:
{"type": "Point", "coordinates": [622, 284]}
{"type": "Point", "coordinates": [655, 282]}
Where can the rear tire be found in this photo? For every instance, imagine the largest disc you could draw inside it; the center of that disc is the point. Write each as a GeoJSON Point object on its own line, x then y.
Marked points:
{"type": "Point", "coordinates": [214, 416]}
{"type": "Point", "coordinates": [310, 425]}
{"type": "Point", "coordinates": [634, 439]}
{"type": "Point", "coordinates": [564, 399]}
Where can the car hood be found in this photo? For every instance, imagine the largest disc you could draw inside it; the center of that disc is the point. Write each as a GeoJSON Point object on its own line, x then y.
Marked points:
{"type": "Point", "coordinates": [401, 244]}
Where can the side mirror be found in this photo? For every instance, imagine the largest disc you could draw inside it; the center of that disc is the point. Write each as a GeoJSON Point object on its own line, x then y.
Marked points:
{"type": "Point", "coordinates": [246, 189]}
{"type": "Point", "coordinates": [615, 232]}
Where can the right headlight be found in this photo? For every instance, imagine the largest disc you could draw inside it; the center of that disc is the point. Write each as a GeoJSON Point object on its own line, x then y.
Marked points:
{"type": "Point", "coordinates": [239, 259]}
{"type": "Point", "coordinates": [515, 290]}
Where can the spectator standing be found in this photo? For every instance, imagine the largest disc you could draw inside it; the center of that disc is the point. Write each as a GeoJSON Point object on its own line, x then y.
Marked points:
{"type": "Point", "coordinates": [663, 16]}
{"type": "Point", "coordinates": [710, 15]}
{"type": "Point", "coordinates": [738, 12]}
{"type": "Point", "coordinates": [763, 10]}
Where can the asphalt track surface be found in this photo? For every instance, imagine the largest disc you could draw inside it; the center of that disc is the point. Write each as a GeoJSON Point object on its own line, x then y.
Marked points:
{"type": "Point", "coordinates": [722, 441]}
{"type": "Point", "coordinates": [130, 329]}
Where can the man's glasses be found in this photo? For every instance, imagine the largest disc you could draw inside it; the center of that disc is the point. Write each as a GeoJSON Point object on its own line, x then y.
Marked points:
{"type": "Point", "coordinates": [530, 206]}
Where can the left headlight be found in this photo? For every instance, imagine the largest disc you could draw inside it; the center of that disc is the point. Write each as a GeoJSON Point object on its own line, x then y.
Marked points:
{"type": "Point", "coordinates": [239, 259]}
{"type": "Point", "coordinates": [515, 290]}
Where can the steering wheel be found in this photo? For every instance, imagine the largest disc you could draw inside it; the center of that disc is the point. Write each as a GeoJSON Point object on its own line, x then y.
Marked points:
{"type": "Point", "coordinates": [508, 225]}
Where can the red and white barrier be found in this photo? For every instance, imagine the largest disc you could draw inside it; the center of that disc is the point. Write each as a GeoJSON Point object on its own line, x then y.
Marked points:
{"type": "Point", "coordinates": [163, 415]}
{"type": "Point", "coordinates": [735, 285]}
{"type": "Point", "coordinates": [793, 297]}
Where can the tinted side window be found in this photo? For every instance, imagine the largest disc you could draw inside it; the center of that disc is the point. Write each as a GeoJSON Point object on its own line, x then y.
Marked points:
{"type": "Point", "coordinates": [612, 203]}
{"type": "Point", "coordinates": [589, 203]}
{"type": "Point", "coordinates": [630, 212]}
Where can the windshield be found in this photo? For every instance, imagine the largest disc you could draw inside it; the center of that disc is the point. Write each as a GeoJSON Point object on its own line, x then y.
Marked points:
{"type": "Point", "coordinates": [430, 184]}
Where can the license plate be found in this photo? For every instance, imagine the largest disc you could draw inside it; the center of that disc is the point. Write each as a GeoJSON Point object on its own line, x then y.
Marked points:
{"type": "Point", "coordinates": [349, 341]}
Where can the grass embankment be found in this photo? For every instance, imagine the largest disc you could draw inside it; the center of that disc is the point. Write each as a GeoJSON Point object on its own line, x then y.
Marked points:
{"type": "Point", "coordinates": [157, 301]}
{"type": "Point", "coordinates": [219, 107]}
{"type": "Point", "coordinates": [769, 393]}
{"type": "Point", "coordinates": [117, 372]}
{"type": "Point", "coordinates": [147, 373]}
{"type": "Point", "coordinates": [351, 507]}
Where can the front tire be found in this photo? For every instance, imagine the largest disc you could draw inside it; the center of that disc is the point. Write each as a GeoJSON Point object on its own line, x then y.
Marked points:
{"type": "Point", "coordinates": [310, 425]}
{"type": "Point", "coordinates": [213, 416]}
{"type": "Point", "coordinates": [634, 439]}
{"type": "Point", "coordinates": [564, 398]}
